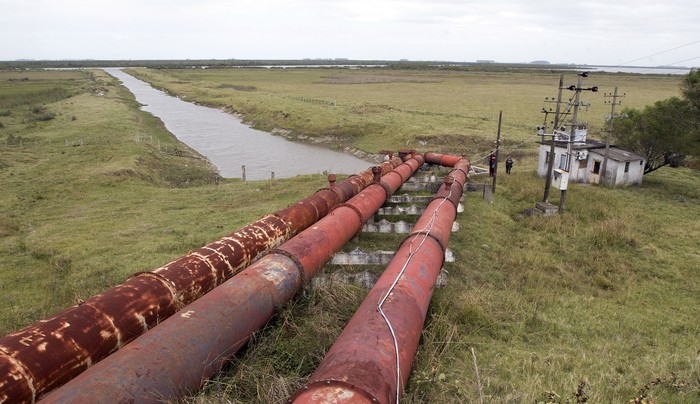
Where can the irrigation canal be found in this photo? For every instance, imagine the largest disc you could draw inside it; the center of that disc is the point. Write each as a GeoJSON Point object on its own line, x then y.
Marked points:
{"type": "Point", "coordinates": [230, 144]}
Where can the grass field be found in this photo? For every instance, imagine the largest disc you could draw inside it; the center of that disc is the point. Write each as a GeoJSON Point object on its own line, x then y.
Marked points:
{"type": "Point", "coordinates": [600, 302]}
{"type": "Point", "coordinates": [375, 109]}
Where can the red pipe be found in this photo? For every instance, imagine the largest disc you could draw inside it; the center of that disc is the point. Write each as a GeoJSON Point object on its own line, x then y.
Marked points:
{"type": "Point", "coordinates": [368, 362]}
{"type": "Point", "coordinates": [49, 353]}
{"type": "Point", "coordinates": [176, 356]}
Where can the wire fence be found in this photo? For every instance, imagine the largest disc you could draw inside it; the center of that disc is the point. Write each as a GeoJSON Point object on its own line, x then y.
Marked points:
{"type": "Point", "coordinates": [315, 101]}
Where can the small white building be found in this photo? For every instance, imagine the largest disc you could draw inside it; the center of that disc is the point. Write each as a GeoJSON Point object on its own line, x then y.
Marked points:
{"type": "Point", "coordinates": [623, 167]}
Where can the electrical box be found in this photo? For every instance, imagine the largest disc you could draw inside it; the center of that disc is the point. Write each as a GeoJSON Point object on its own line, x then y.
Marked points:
{"type": "Point", "coordinates": [560, 179]}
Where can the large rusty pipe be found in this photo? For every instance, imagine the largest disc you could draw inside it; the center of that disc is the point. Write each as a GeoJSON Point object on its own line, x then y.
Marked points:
{"type": "Point", "coordinates": [176, 356]}
{"type": "Point", "coordinates": [50, 352]}
{"type": "Point", "coordinates": [370, 362]}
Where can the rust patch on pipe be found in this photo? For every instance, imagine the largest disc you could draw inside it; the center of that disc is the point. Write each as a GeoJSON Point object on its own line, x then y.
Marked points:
{"type": "Point", "coordinates": [368, 354]}
{"type": "Point", "coordinates": [85, 334]}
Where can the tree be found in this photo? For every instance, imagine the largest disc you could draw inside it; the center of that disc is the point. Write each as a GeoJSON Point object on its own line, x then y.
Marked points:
{"type": "Point", "coordinates": [666, 132]}
{"type": "Point", "coordinates": [690, 88]}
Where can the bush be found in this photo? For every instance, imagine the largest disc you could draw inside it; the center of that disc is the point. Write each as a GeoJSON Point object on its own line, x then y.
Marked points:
{"type": "Point", "coordinates": [5, 112]}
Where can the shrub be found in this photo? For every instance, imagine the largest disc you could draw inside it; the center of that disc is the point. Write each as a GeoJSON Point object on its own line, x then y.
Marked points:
{"type": "Point", "coordinates": [45, 116]}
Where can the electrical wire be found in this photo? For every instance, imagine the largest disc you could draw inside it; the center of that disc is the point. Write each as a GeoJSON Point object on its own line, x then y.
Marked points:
{"type": "Point", "coordinates": [659, 53]}
{"type": "Point", "coordinates": [429, 228]}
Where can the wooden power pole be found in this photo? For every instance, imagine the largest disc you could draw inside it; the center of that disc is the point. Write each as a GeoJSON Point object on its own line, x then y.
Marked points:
{"type": "Point", "coordinates": [614, 103]}
{"type": "Point", "coordinates": [498, 148]}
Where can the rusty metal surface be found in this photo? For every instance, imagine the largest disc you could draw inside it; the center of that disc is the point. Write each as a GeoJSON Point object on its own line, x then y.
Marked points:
{"type": "Point", "coordinates": [363, 354]}
{"type": "Point", "coordinates": [178, 354]}
{"type": "Point", "coordinates": [337, 392]}
{"type": "Point", "coordinates": [64, 345]}
{"type": "Point", "coordinates": [203, 269]}
{"type": "Point", "coordinates": [445, 160]}
{"type": "Point", "coordinates": [363, 357]}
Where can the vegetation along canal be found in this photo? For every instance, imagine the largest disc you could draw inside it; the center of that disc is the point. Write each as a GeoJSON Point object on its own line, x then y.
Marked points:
{"type": "Point", "coordinates": [229, 144]}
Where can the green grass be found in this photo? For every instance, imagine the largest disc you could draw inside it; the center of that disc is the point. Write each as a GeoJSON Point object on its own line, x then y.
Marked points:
{"type": "Point", "coordinates": [83, 205]}
{"type": "Point", "coordinates": [604, 297]}
{"type": "Point", "coordinates": [377, 109]}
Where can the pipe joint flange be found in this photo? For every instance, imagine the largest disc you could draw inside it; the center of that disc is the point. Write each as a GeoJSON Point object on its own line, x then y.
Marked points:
{"type": "Point", "coordinates": [387, 189]}
{"type": "Point", "coordinates": [451, 200]}
{"type": "Point", "coordinates": [294, 259]}
{"type": "Point", "coordinates": [177, 298]}
{"type": "Point", "coordinates": [287, 222]}
{"type": "Point", "coordinates": [354, 209]}
{"type": "Point", "coordinates": [427, 234]}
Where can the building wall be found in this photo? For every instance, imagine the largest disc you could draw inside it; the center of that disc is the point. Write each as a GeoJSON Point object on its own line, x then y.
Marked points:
{"type": "Point", "coordinates": [616, 171]}
{"type": "Point", "coordinates": [585, 170]}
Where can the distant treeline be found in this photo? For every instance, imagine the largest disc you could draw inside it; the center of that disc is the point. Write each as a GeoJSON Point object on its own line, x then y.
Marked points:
{"type": "Point", "coordinates": [214, 63]}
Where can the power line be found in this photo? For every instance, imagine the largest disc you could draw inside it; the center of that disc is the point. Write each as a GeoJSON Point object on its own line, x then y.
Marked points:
{"type": "Point", "coordinates": [659, 53]}
{"type": "Point", "coordinates": [671, 64]}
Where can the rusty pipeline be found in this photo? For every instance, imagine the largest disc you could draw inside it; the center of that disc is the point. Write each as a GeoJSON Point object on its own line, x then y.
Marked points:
{"type": "Point", "coordinates": [176, 356]}
{"type": "Point", "coordinates": [47, 354]}
{"type": "Point", "coordinates": [371, 360]}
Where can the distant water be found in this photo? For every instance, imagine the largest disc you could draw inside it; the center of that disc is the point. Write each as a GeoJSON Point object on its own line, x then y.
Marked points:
{"type": "Point", "coordinates": [230, 144]}
{"type": "Point", "coordinates": [640, 70]}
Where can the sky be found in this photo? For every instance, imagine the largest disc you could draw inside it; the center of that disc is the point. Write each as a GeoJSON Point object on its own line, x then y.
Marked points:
{"type": "Point", "coordinates": [595, 32]}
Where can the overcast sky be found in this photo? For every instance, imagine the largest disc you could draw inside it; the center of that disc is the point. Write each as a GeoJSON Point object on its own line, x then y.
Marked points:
{"type": "Point", "coordinates": [584, 32]}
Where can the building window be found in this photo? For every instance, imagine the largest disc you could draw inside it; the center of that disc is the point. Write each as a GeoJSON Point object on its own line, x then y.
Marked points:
{"type": "Point", "coordinates": [596, 167]}
{"type": "Point", "coordinates": [627, 167]}
{"type": "Point", "coordinates": [562, 162]}
{"type": "Point", "coordinates": [583, 164]}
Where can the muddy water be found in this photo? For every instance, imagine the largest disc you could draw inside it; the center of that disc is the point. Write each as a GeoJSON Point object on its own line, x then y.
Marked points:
{"type": "Point", "coordinates": [230, 144]}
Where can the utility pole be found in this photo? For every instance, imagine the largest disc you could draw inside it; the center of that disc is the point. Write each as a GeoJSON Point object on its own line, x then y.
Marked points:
{"type": "Point", "coordinates": [572, 133]}
{"type": "Point", "coordinates": [498, 148]}
{"type": "Point", "coordinates": [548, 178]}
{"type": "Point", "coordinates": [614, 103]}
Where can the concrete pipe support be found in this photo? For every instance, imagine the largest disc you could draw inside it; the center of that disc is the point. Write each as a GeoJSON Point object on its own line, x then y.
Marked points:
{"type": "Point", "coordinates": [372, 358]}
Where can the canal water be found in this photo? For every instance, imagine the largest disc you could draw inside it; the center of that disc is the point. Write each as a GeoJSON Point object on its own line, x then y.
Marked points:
{"type": "Point", "coordinates": [230, 144]}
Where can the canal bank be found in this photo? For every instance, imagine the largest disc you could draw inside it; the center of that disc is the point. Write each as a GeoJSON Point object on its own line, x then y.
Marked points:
{"type": "Point", "coordinates": [230, 144]}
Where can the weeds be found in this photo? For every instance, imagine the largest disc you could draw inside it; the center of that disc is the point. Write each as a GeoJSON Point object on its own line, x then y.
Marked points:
{"type": "Point", "coordinates": [37, 97]}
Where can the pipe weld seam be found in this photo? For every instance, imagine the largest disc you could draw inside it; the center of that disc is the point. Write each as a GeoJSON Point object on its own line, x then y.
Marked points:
{"type": "Point", "coordinates": [166, 282]}
{"type": "Point", "coordinates": [297, 263]}
{"type": "Point", "coordinates": [429, 235]}
{"type": "Point", "coordinates": [456, 178]}
{"type": "Point", "coordinates": [387, 189]}
{"type": "Point", "coordinates": [23, 371]}
{"type": "Point", "coordinates": [462, 170]}
{"type": "Point", "coordinates": [339, 194]}
{"type": "Point", "coordinates": [356, 210]}
{"type": "Point", "coordinates": [110, 319]}
{"type": "Point", "coordinates": [284, 220]}
{"type": "Point", "coordinates": [221, 256]}
{"type": "Point", "coordinates": [401, 178]}
{"type": "Point", "coordinates": [454, 203]}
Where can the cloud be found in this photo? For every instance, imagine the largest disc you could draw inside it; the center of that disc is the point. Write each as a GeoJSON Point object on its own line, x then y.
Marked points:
{"type": "Point", "coordinates": [591, 32]}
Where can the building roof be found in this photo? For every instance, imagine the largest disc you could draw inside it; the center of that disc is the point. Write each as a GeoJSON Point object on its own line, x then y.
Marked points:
{"type": "Point", "coordinates": [615, 153]}
{"type": "Point", "coordinates": [590, 144]}
{"type": "Point", "coordinates": [598, 147]}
